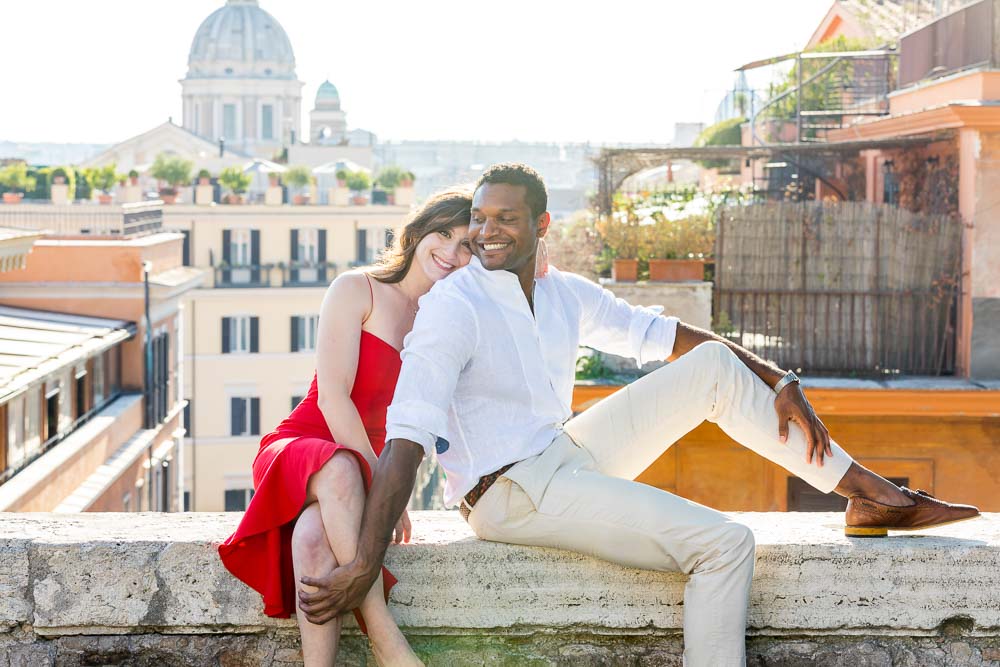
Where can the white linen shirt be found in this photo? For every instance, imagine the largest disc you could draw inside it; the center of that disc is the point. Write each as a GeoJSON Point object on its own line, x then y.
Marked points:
{"type": "Point", "coordinates": [485, 383]}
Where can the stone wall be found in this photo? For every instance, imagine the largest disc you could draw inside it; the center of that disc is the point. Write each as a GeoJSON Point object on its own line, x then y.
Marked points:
{"type": "Point", "coordinates": [689, 301]}
{"type": "Point", "coordinates": [148, 589]}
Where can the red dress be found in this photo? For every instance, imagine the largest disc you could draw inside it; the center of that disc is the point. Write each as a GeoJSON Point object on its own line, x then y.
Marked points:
{"type": "Point", "coordinates": [259, 553]}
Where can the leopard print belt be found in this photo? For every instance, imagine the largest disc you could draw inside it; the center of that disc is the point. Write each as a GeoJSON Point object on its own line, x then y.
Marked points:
{"type": "Point", "coordinates": [485, 482]}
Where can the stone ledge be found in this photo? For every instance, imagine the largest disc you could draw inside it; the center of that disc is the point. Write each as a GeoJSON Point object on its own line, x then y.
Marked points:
{"type": "Point", "coordinates": [94, 574]}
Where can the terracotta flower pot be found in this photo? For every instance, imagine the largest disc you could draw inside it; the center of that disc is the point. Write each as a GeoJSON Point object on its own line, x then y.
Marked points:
{"type": "Point", "coordinates": [104, 199]}
{"type": "Point", "coordinates": [12, 197]}
{"type": "Point", "coordinates": [204, 181]}
{"type": "Point", "coordinates": [625, 270]}
{"type": "Point", "coordinates": [300, 200]}
{"type": "Point", "coordinates": [359, 200]}
{"type": "Point", "coordinates": [168, 196]}
{"type": "Point", "coordinates": [58, 180]}
{"type": "Point", "coordinates": [676, 270]}
{"type": "Point", "coordinates": [233, 199]}
{"type": "Point", "coordinates": [133, 180]}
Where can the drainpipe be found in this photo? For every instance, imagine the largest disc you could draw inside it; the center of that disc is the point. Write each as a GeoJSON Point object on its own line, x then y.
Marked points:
{"type": "Point", "coordinates": [147, 266]}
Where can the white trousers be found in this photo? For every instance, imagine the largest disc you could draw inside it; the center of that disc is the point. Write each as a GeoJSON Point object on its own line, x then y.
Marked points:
{"type": "Point", "coordinates": [579, 493]}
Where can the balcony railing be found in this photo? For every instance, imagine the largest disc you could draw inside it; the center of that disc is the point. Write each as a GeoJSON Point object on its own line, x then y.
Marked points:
{"type": "Point", "coordinates": [960, 40]}
{"type": "Point", "coordinates": [121, 221]}
{"type": "Point", "coordinates": [295, 274]}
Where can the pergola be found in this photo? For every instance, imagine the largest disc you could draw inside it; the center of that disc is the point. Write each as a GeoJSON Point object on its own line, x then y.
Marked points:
{"type": "Point", "coordinates": [616, 164]}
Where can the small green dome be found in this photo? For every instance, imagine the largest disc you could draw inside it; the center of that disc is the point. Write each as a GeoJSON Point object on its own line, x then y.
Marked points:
{"type": "Point", "coordinates": [327, 91]}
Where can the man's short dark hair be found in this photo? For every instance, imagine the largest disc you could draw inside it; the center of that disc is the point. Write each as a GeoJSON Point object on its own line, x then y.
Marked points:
{"type": "Point", "coordinates": [515, 173]}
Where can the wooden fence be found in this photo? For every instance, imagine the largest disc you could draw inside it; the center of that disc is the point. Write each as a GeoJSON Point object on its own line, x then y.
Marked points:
{"type": "Point", "coordinates": [839, 288]}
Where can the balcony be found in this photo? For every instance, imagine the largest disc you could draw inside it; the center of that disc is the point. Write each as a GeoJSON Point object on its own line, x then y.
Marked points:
{"type": "Point", "coordinates": [280, 274]}
{"type": "Point", "coordinates": [76, 220]}
{"type": "Point", "coordinates": [957, 41]}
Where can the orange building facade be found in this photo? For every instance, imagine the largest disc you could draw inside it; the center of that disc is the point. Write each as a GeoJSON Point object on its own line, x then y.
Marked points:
{"type": "Point", "coordinates": [90, 394]}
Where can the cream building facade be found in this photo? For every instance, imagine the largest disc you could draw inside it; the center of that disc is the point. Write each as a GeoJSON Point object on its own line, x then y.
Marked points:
{"type": "Point", "coordinates": [251, 327]}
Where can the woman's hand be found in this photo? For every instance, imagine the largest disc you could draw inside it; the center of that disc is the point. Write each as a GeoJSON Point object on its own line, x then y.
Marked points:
{"type": "Point", "coordinates": [403, 528]}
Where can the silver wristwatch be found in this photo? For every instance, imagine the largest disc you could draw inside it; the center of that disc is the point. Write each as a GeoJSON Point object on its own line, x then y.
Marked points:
{"type": "Point", "coordinates": [789, 378]}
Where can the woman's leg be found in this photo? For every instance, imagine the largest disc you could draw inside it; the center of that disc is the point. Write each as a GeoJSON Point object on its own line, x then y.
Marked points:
{"type": "Point", "coordinates": [312, 555]}
{"type": "Point", "coordinates": [340, 493]}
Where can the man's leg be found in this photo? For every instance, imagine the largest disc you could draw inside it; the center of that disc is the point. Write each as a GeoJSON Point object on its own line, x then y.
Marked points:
{"type": "Point", "coordinates": [640, 526]}
{"type": "Point", "coordinates": [630, 429]}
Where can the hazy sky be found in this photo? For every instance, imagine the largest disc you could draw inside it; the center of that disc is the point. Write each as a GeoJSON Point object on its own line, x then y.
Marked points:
{"type": "Point", "coordinates": [103, 70]}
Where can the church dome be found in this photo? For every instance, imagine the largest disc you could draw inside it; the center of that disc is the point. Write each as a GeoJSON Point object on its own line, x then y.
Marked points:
{"type": "Point", "coordinates": [327, 96]}
{"type": "Point", "coordinates": [241, 40]}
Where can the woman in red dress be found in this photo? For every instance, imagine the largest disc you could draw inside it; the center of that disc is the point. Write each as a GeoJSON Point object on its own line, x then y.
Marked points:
{"type": "Point", "coordinates": [312, 472]}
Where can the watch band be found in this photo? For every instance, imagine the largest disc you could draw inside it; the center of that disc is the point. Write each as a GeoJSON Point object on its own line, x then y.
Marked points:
{"type": "Point", "coordinates": [789, 378]}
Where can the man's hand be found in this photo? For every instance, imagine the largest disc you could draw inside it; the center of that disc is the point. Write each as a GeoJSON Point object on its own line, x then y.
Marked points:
{"type": "Point", "coordinates": [338, 592]}
{"type": "Point", "coordinates": [403, 529]}
{"type": "Point", "coordinates": [791, 405]}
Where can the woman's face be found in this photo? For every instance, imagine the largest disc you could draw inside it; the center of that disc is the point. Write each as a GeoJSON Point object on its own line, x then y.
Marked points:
{"type": "Point", "coordinates": [440, 253]}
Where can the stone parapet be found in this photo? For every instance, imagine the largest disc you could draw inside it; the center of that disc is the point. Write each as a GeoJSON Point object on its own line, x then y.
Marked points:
{"type": "Point", "coordinates": [73, 586]}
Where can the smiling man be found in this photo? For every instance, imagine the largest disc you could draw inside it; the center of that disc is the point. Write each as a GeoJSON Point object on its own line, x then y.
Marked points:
{"type": "Point", "coordinates": [487, 382]}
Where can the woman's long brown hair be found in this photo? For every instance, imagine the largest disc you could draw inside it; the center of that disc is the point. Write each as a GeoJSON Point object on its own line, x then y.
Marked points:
{"type": "Point", "coordinates": [444, 210]}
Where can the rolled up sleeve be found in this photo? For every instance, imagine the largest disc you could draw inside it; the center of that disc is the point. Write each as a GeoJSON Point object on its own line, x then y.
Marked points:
{"type": "Point", "coordinates": [613, 325]}
{"type": "Point", "coordinates": [434, 353]}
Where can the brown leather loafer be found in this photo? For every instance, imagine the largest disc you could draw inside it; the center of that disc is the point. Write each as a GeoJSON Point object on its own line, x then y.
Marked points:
{"type": "Point", "coordinates": [868, 518]}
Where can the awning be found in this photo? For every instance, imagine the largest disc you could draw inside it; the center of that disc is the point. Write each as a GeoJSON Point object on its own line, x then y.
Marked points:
{"type": "Point", "coordinates": [35, 343]}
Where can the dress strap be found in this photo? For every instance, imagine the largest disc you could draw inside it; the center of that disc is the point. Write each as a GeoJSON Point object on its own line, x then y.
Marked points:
{"type": "Point", "coordinates": [371, 294]}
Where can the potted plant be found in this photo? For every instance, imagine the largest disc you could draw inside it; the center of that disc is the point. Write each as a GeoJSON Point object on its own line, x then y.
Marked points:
{"type": "Point", "coordinates": [407, 180]}
{"type": "Point", "coordinates": [58, 176]}
{"type": "Point", "coordinates": [389, 178]}
{"type": "Point", "coordinates": [15, 178]}
{"type": "Point", "coordinates": [103, 178]}
{"type": "Point", "coordinates": [341, 176]}
{"type": "Point", "coordinates": [174, 171]}
{"type": "Point", "coordinates": [133, 177]}
{"type": "Point", "coordinates": [298, 177]}
{"type": "Point", "coordinates": [236, 181]}
{"type": "Point", "coordinates": [679, 246]}
{"type": "Point", "coordinates": [358, 182]}
{"type": "Point", "coordinates": [623, 237]}
{"type": "Point", "coordinates": [204, 177]}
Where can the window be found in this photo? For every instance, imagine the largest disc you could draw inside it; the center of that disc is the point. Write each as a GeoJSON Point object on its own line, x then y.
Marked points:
{"type": "Point", "coordinates": [267, 122]}
{"type": "Point", "coordinates": [308, 256]}
{"type": "Point", "coordinates": [244, 415]}
{"type": "Point", "coordinates": [238, 499]}
{"type": "Point", "coordinates": [229, 121]}
{"type": "Point", "coordinates": [295, 401]}
{"type": "Point", "coordinates": [52, 395]}
{"type": "Point", "coordinates": [187, 501]}
{"type": "Point", "coordinates": [239, 247]}
{"type": "Point", "coordinates": [127, 502]}
{"type": "Point", "coordinates": [187, 420]}
{"type": "Point", "coordinates": [240, 334]}
{"type": "Point", "coordinates": [304, 333]}
{"type": "Point", "coordinates": [80, 392]}
{"type": "Point", "coordinates": [241, 254]}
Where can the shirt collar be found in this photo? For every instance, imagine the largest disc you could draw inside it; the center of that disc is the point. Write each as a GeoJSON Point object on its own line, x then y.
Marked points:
{"type": "Point", "coordinates": [502, 286]}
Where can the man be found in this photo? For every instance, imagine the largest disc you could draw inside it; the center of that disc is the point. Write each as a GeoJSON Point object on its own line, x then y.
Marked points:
{"type": "Point", "coordinates": [487, 381]}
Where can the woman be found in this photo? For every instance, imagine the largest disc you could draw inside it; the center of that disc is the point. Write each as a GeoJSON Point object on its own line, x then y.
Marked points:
{"type": "Point", "coordinates": [312, 472]}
